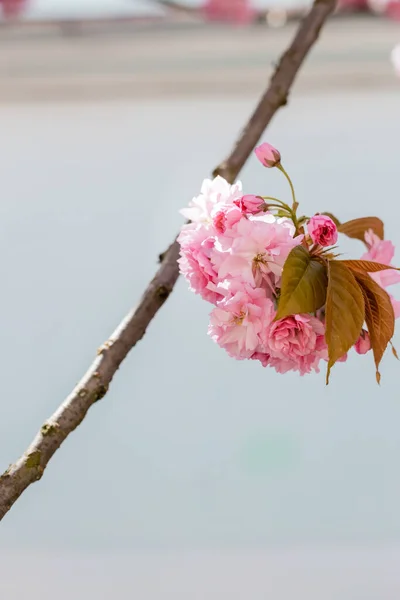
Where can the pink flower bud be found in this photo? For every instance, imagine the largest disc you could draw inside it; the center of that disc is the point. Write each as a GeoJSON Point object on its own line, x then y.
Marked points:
{"type": "Point", "coordinates": [363, 344]}
{"type": "Point", "coordinates": [322, 230]}
{"type": "Point", "coordinates": [250, 204]}
{"type": "Point", "coordinates": [219, 221]}
{"type": "Point", "coordinates": [268, 155]}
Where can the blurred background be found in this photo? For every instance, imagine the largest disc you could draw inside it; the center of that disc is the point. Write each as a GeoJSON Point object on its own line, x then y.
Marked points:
{"type": "Point", "coordinates": [196, 477]}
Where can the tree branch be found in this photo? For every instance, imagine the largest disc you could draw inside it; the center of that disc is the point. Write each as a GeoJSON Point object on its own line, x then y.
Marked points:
{"type": "Point", "coordinates": [278, 90]}
{"type": "Point", "coordinates": [94, 384]}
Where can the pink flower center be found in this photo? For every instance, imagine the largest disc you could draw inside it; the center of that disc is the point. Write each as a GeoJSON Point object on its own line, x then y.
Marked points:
{"type": "Point", "coordinates": [238, 320]}
{"type": "Point", "coordinates": [260, 258]}
{"type": "Point", "coordinates": [325, 231]}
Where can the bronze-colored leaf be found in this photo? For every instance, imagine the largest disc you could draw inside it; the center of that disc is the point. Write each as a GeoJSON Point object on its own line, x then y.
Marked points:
{"type": "Point", "coordinates": [367, 266]}
{"type": "Point", "coordinates": [379, 316]}
{"type": "Point", "coordinates": [334, 219]}
{"type": "Point", "coordinates": [394, 351]}
{"type": "Point", "coordinates": [304, 283]}
{"type": "Point", "coordinates": [344, 312]}
{"type": "Point", "coordinates": [357, 227]}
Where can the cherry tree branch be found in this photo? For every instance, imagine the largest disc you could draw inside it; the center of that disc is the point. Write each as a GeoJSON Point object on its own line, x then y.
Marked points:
{"type": "Point", "coordinates": [94, 384]}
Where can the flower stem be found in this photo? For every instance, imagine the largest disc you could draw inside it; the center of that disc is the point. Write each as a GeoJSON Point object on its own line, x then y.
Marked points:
{"type": "Point", "coordinates": [295, 205]}
{"type": "Point", "coordinates": [276, 200]}
{"type": "Point", "coordinates": [271, 204]}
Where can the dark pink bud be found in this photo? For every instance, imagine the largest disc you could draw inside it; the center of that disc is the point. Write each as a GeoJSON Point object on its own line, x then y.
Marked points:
{"type": "Point", "coordinates": [250, 204]}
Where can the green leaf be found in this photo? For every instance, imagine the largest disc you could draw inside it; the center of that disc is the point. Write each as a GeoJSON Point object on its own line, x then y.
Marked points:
{"type": "Point", "coordinates": [379, 316]}
{"type": "Point", "coordinates": [344, 312]}
{"type": "Point", "coordinates": [282, 213]}
{"type": "Point", "coordinates": [366, 266]}
{"type": "Point", "coordinates": [304, 283]}
{"type": "Point", "coordinates": [357, 227]}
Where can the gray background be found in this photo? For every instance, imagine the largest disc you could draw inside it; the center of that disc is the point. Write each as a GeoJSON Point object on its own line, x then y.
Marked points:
{"type": "Point", "coordinates": [197, 476]}
{"type": "Point", "coordinates": [190, 450]}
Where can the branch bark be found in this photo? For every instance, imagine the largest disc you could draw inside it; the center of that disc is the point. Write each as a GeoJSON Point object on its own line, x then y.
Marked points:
{"type": "Point", "coordinates": [94, 384]}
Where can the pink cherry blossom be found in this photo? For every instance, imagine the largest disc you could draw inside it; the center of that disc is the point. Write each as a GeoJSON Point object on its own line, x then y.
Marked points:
{"type": "Point", "coordinates": [283, 366]}
{"type": "Point", "coordinates": [195, 264]}
{"type": "Point", "coordinates": [239, 320]}
{"type": "Point", "coordinates": [213, 192]}
{"type": "Point", "coordinates": [381, 251]}
{"type": "Point", "coordinates": [342, 358]}
{"type": "Point", "coordinates": [263, 357]}
{"type": "Point", "coordinates": [396, 306]}
{"type": "Point", "coordinates": [268, 155]}
{"type": "Point", "coordinates": [219, 221]}
{"type": "Point", "coordinates": [322, 230]}
{"type": "Point", "coordinates": [233, 252]}
{"type": "Point", "coordinates": [378, 250]}
{"type": "Point", "coordinates": [363, 344]}
{"type": "Point", "coordinates": [280, 365]}
{"type": "Point", "coordinates": [250, 204]}
{"type": "Point", "coordinates": [225, 216]}
{"type": "Point", "coordinates": [298, 341]}
{"type": "Point", "coordinates": [257, 250]}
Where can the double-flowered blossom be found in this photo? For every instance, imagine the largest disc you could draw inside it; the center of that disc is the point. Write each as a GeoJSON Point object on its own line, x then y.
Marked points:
{"type": "Point", "coordinates": [256, 261]}
{"type": "Point", "coordinates": [322, 230]}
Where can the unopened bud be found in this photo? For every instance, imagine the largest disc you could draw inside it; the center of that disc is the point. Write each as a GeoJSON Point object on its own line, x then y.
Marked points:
{"type": "Point", "coordinates": [268, 155]}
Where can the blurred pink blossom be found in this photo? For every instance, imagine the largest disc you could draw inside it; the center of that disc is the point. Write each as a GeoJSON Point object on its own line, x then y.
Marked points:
{"type": "Point", "coordinates": [237, 11]}
{"type": "Point", "coordinates": [381, 251]}
{"type": "Point", "coordinates": [363, 344]}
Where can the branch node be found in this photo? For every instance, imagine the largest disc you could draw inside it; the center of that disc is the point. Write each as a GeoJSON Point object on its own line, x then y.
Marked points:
{"type": "Point", "coordinates": [33, 460]}
{"type": "Point", "coordinates": [284, 100]}
{"type": "Point", "coordinates": [101, 391]}
{"type": "Point", "coordinates": [163, 292]}
{"type": "Point", "coordinates": [106, 346]}
{"type": "Point", "coordinates": [6, 473]}
{"type": "Point", "coordinates": [49, 429]}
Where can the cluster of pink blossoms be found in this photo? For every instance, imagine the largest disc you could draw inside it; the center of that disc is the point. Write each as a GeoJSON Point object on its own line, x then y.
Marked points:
{"type": "Point", "coordinates": [232, 254]}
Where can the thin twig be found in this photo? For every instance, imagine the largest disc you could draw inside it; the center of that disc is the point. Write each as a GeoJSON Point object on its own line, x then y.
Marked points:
{"type": "Point", "coordinates": [94, 384]}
